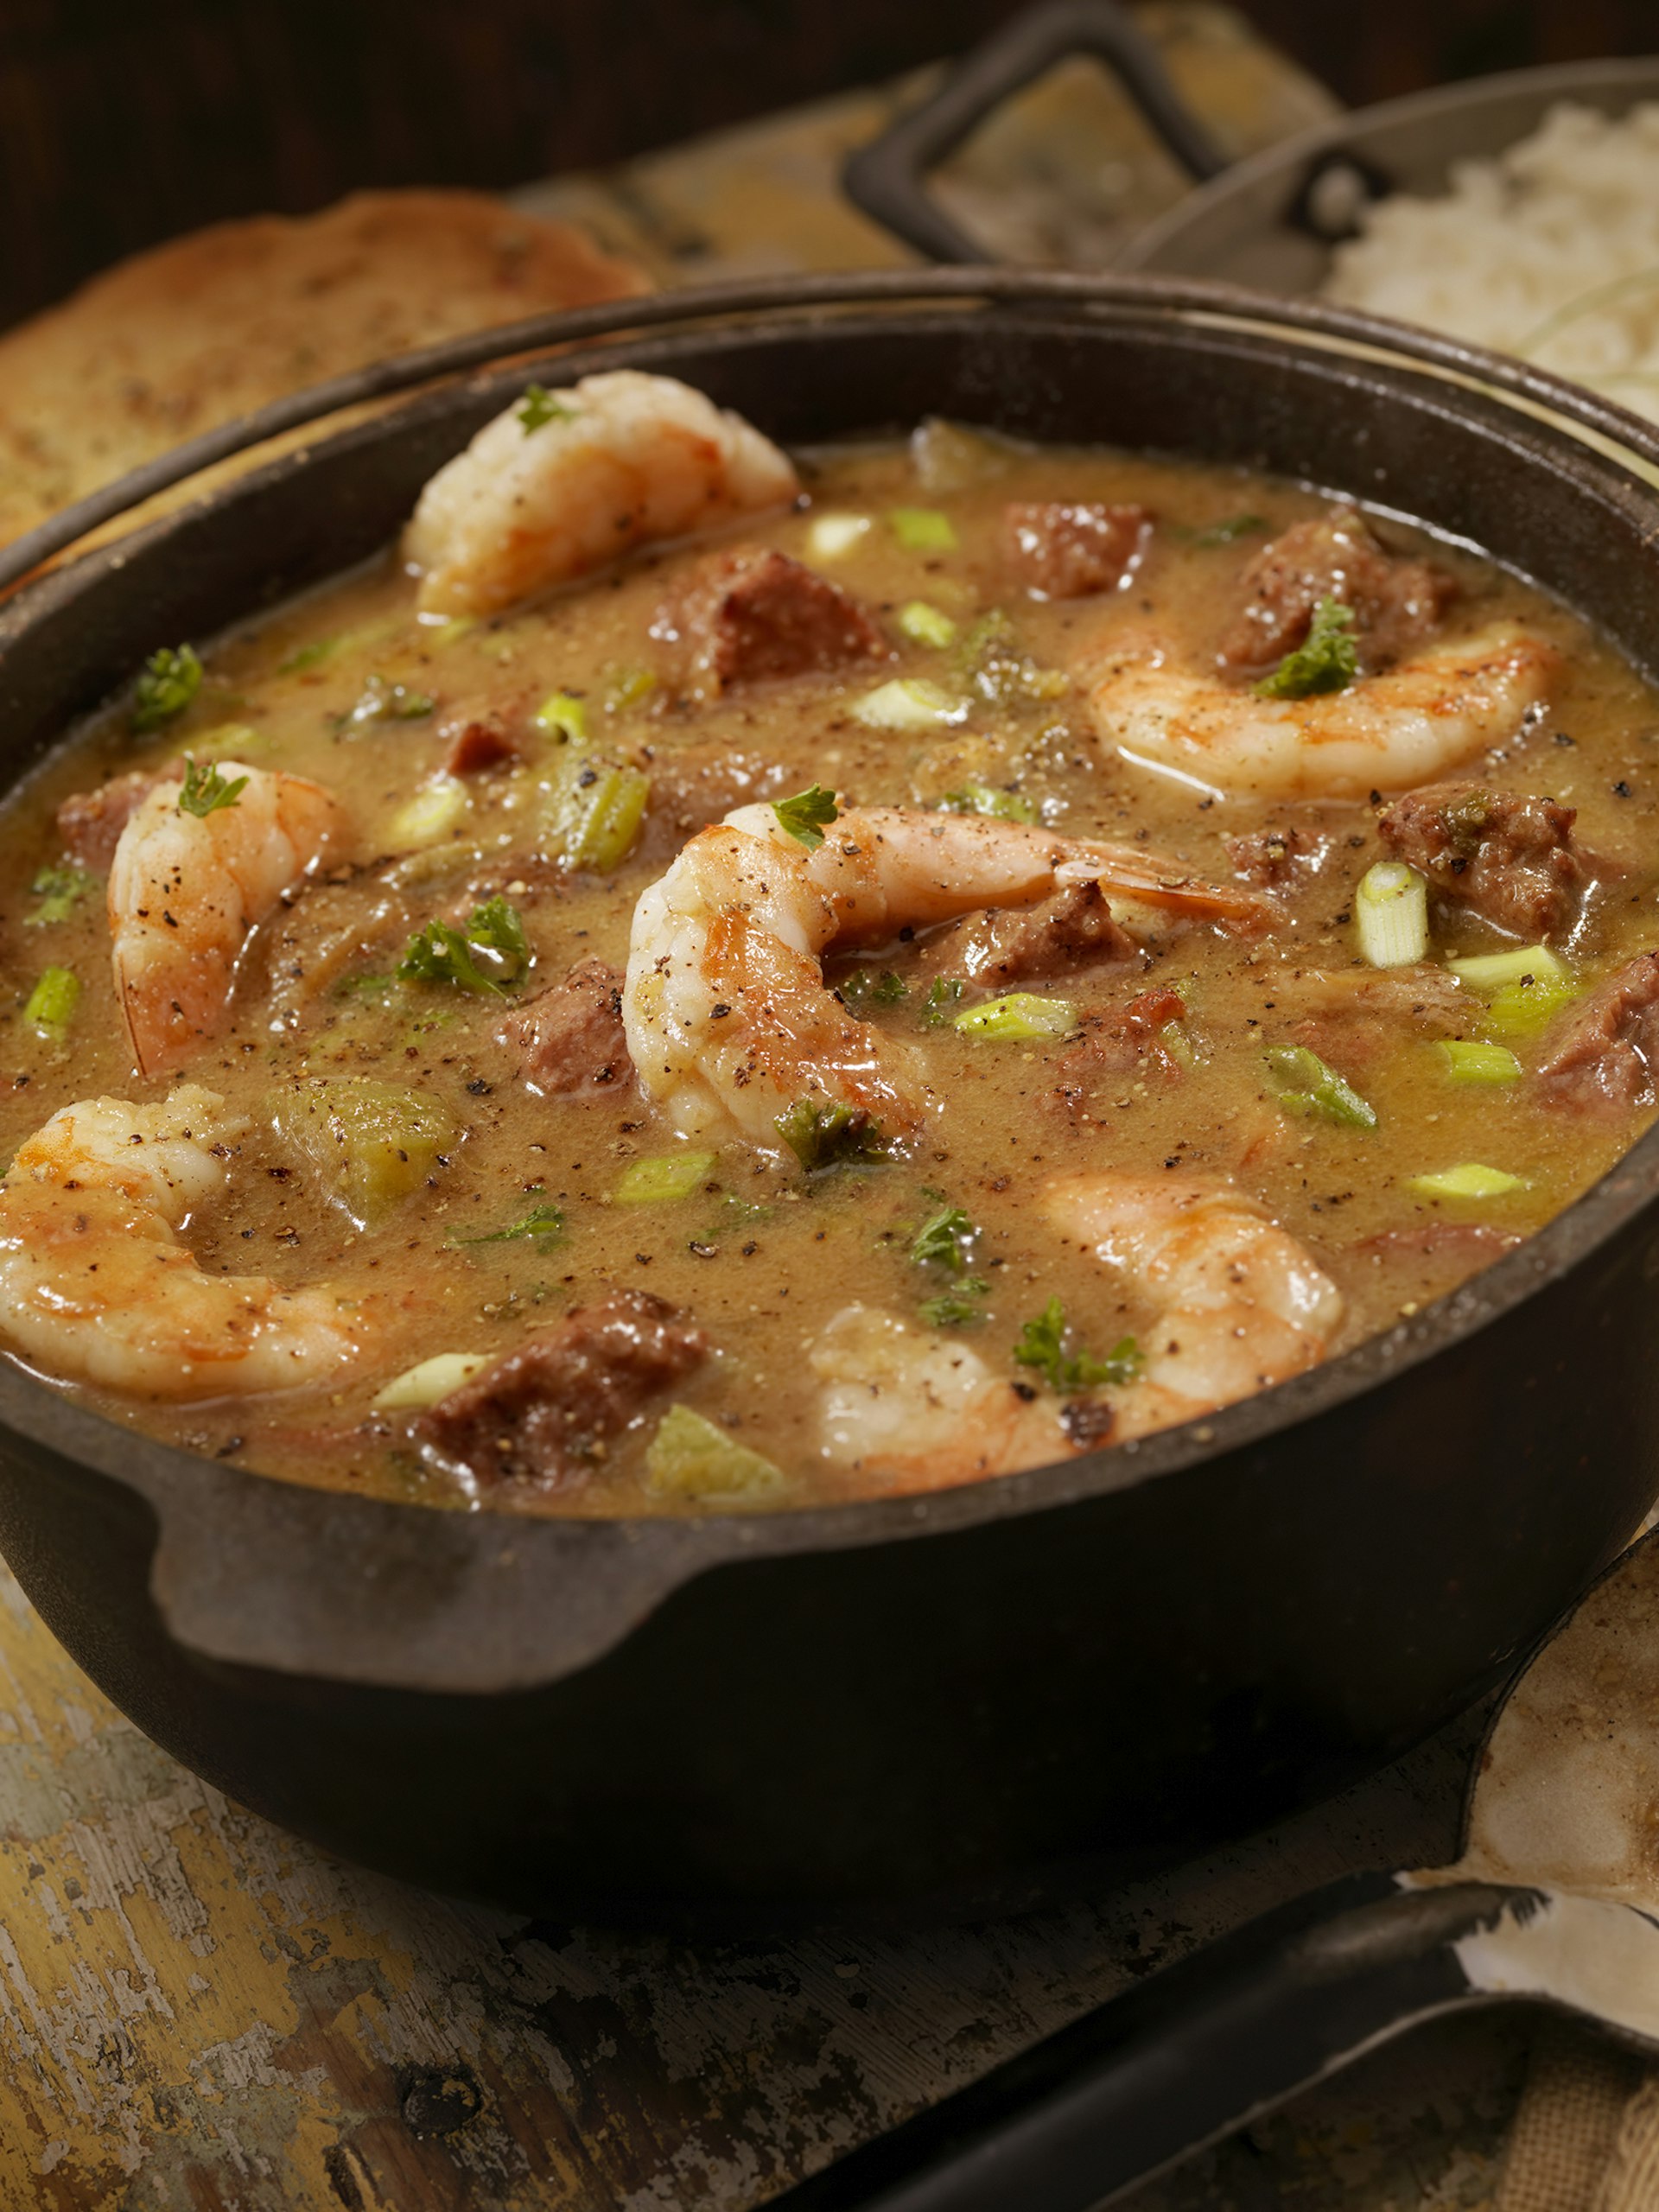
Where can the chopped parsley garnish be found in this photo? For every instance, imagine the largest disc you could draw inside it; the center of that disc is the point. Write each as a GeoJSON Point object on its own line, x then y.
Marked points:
{"type": "Point", "coordinates": [955, 1309]}
{"type": "Point", "coordinates": [204, 790]}
{"type": "Point", "coordinates": [975, 797]}
{"type": "Point", "coordinates": [379, 701]}
{"type": "Point", "coordinates": [943, 997]}
{"type": "Point", "coordinates": [1326, 660]}
{"type": "Point", "coordinates": [943, 1240]}
{"type": "Point", "coordinates": [865, 987]}
{"type": "Point", "coordinates": [1317, 1088]}
{"type": "Point", "coordinates": [820, 1134]}
{"type": "Point", "coordinates": [59, 890]}
{"type": "Point", "coordinates": [543, 1226]}
{"type": "Point", "coordinates": [168, 681]}
{"type": "Point", "coordinates": [1042, 1346]}
{"type": "Point", "coordinates": [311, 656]}
{"type": "Point", "coordinates": [805, 814]}
{"type": "Point", "coordinates": [491, 954]}
{"type": "Point", "coordinates": [538, 406]}
{"type": "Point", "coordinates": [1228, 533]}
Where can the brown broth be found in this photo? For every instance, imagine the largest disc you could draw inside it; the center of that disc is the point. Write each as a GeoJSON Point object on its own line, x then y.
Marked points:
{"type": "Point", "coordinates": [763, 1257]}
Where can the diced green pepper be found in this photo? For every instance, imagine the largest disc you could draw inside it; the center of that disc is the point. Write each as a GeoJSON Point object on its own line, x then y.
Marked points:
{"type": "Point", "coordinates": [370, 1144]}
{"type": "Point", "coordinates": [1319, 1089]}
{"type": "Point", "coordinates": [690, 1458]}
{"type": "Point", "coordinates": [52, 1004]}
{"type": "Point", "coordinates": [665, 1176]}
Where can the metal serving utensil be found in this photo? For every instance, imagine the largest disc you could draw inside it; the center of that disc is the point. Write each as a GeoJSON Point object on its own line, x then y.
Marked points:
{"type": "Point", "coordinates": [1555, 1900]}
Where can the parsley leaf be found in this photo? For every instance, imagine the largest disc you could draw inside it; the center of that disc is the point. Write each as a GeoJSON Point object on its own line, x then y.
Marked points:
{"type": "Point", "coordinates": [865, 987]}
{"type": "Point", "coordinates": [539, 406]}
{"type": "Point", "coordinates": [168, 681]}
{"type": "Point", "coordinates": [937, 1009]}
{"type": "Point", "coordinates": [943, 1240]}
{"type": "Point", "coordinates": [379, 701]}
{"type": "Point", "coordinates": [824, 1135]}
{"type": "Point", "coordinates": [439, 953]}
{"type": "Point", "coordinates": [543, 1225]}
{"type": "Point", "coordinates": [1042, 1345]}
{"type": "Point", "coordinates": [59, 890]}
{"type": "Point", "coordinates": [955, 1309]}
{"type": "Point", "coordinates": [1327, 660]}
{"type": "Point", "coordinates": [802, 815]}
{"type": "Point", "coordinates": [204, 790]}
{"type": "Point", "coordinates": [1228, 533]}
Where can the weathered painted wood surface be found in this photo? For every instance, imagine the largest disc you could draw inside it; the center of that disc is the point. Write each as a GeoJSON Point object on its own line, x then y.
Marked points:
{"type": "Point", "coordinates": [199, 2014]}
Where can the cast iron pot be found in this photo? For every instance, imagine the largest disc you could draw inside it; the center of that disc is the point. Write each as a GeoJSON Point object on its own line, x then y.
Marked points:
{"type": "Point", "coordinates": [957, 1697]}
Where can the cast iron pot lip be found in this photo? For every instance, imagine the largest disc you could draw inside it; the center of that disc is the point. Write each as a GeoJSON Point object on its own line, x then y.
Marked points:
{"type": "Point", "coordinates": [1340, 133]}
{"type": "Point", "coordinates": [1464, 378]}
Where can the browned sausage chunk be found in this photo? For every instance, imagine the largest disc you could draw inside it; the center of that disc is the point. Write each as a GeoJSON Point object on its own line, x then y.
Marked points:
{"type": "Point", "coordinates": [478, 743]}
{"type": "Point", "coordinates": [747, 617]}
{"type": "Point", "coordinates": [1116, 1041]}
{"type": "Point", "coordinates": [545, 1417]}
{"type": "Point", "coordinates": [1272, 858]}
{"type": "Point", "coordinates": [1600, 1055]}
{"type": "Point", "coordinates": [1397, 602]}
{"type": "Point", "coordinates": [692, 786]}
{"type": "Point", "coordinates": [1510, 858]}
{"type": "Point", "coordinates": [90, 822]}
{"type": "Point", "coordinates": [1058, 551]}
{"type": "Point", "coordinates": [570, 1038]}
{"type": "Point", "coordinates": [1074, 929]}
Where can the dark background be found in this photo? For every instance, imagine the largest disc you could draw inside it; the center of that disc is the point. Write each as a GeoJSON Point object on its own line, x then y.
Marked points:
{"type": "Point", "coordinates": [125, 121]}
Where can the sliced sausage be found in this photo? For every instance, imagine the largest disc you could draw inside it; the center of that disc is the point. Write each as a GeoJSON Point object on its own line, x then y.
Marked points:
{"type": "Point", "coordinates": [570, 1039]}
{"type": "Point", "coordinates": [1072, 930]}
{"type": "Point", "coordinates": [1064, 550]}
{"type": "Point", "coordinates": [1118, 1041]}
{"type": "Point", "coordinates": [1397, 602]}
{"type": "Point", "coordinates": [542, 1417]}
{"type": "Point", "coordinates": [1599, 1057]}
{"type": "Point", "coordinates": [749, 617]}
{"type": "Point", "coordinates": [1508, 857]}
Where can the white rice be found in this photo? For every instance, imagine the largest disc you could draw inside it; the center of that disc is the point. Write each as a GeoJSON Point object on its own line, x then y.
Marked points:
{"type": "Point", "coordinates": [1550, 252]}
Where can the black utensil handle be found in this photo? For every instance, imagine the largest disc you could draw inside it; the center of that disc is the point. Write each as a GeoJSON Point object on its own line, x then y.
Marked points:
{"type": "Point", "coordinates": [1187, 2056]}
{"type": "Point", "coordinates": [887, 178]}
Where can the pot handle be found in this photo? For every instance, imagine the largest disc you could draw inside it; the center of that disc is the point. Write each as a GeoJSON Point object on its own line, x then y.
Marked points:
{"type": "Point", "coordinates": [887, 178]}
{"type": "Point", "coordinates": [1185, 2056]}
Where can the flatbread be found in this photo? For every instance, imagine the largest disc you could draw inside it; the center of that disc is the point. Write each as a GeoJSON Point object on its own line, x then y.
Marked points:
{"type": "Point", "coordinates": [197, 332]}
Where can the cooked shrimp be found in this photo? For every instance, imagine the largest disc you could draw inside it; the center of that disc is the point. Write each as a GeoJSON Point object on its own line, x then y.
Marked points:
{"type": "Point", "coordinates": [1384, 732]}
{"type": "Point", "coordinates": [1240, 1304]}
{"type": "Point", "coordinates": [728, 1019]}
{"type": "Point", "coordinates": [186, 889]}
{"type": "Point", "coordinates": [95, 1285]}
{"type": "Point", "coordinates": [625, 458]}
{"type": "Point", "coordinates": [922, 1411]}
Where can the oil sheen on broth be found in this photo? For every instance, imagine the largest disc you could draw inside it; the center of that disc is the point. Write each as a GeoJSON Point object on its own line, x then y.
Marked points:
{"type": "Point", "coordinates": [906, 1192]}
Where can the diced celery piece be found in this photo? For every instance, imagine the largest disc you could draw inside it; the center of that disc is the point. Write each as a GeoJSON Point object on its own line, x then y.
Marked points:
{"type": "Point", "coordinates": [1471, 1063]}
{"type": "Point", "coordinates": [909, 703]}
{"type": "Point", "coordinates": [925, 625]}
{"type": "Point", "coordinates": [922, 530]}
{"type": "Point", "coordinates": [831, 537]}
{"type": "Point", "coordinates": [690, 1458]}
{"type": "Point", "coordinates": [1018, 1015]}
{"type": "Point", "coordinates": [1487, 971]}
{"type": "Point", "coordinates": [1522, 1009]}
{"type": "Point", "coordinates": [628, 687]}
{"type": "Point", "coordinates": [668, 1175]}
{"type": "Point", "coordinates": [949, 457]}
{"type": "Point", "coordinates": [562, 715]}
{"type": "Point", "coordinates": [1468, 1180]}
{"type": "Point", "coordinates": [432, 1379]}
{"type": "Point", "coordinates": [52, 1004]}
{"type": "Point", "coordinates": [600, 812]}
{"type": "Point", "coordinates": [434, 811]}
{"type": "Point", "coordinates": [370, 1144]}
{"type": "Point", "coordinates": [1391, 912]}
{"type": "Point", "coordinates": [1320, 1089]}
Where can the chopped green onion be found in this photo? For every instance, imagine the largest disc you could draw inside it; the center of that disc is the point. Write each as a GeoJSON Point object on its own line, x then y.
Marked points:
{"type": "Point", "coordinates": [1391, 910]}
{"type": "Point", "coordinates": [908, 703]}
{"type": "Point", "coordinates": [432, 813]}
{"type": "Point", "coordinates": [1042, 1343]}
{"type": "Point", "coordinates": [204, 790]}
{"type": "Point", "coordinates": [803, 816]}
{"type": "Point", "coordinates": [690, 1457]}
{"type": "Point", "coordinates": [1018, 1015]}
{"type": "Point", "coordinates": [942, 996]}
{"type": "Point", "coordinates": [543, 1226]}
{"type": "Point", "coordinates": [1468, 1180]}
{"type": "Point", "coordinates": [956, 1308]}
{"type": "Point", "coordinates": [1319, 1089]}
{"type": "Point", "coordinates": [922, 530]}
{"type": "Point", "coordinates": [865, 987]}
{"type": "Point", "coordinates": [628, 687]}
{"type": "Point", "coordinates": [599, 813]}
{"type": "Point", "coordinates": [831, 537]}
{"type": "Point", "coordinates": [1471, 1063]}
{"type": "Point", "coordinates": [925, 625]}
{"type": "Point", "coordinates": [975, 797]}
{"type": "Point", "coordinates": [666, 1176]}
{"type": "Point", "coordinates": [539, 406]}
{"type": "Point", "coordinates": [1228, 533]}
{"type": "Point", "coordinates": [1328, 659]}
{"type": "Point", "coordinates": [830, 1135]}
{"type": "Point", "coordinates": [52, 1004]}
{"type": "Point", "coordinates": [432, 1379]}
{"type": "Point", "coordinates": [562, 715]}
{"type": "Point", "coordinates": [59, 891]}
{"type": "Point", "coordinates": [1487, 971]}
{"type": "Point", "coordinates": [168, 681]}
{"type": "Point", "coordinates": [439, 953]}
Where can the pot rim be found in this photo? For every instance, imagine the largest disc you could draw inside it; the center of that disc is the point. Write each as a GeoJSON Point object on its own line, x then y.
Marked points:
{"type": "Point", "coordinates": [201, 1574]}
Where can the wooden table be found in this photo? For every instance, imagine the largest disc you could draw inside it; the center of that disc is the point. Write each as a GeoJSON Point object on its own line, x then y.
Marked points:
{"type": "Point", "coordinates": [198, 2012]}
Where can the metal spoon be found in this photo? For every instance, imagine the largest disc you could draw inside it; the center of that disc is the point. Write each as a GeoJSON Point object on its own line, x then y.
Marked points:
{"type": "Point", "coordinates": [1555, 1899]}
